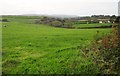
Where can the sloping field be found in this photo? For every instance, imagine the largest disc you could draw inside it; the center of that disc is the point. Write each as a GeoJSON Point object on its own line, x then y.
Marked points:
{"type": "Point", "coordinates": [40, 49]}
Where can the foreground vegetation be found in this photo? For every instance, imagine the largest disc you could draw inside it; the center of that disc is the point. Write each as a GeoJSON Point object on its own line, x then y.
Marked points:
{"type": "Point", "coordinates": [41, 49]}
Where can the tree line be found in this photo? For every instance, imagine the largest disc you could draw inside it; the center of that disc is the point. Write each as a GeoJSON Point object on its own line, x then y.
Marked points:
{"type": "Point", "coordinates": [68, 22]}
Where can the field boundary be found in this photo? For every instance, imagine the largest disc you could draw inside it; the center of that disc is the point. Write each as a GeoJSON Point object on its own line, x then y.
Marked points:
{"type": "Point", "coordinates": [100, 27]}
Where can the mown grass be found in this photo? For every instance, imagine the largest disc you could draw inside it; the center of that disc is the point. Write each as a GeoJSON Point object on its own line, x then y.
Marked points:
{"type": "Point", "coordinates": [41, 49]}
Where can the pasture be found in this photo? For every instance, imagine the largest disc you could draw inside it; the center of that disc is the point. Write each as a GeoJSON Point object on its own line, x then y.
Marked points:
{"type": "Point", "coordinates": [29, 48]}
{"type": "Point", "coordinates": [92, 25]}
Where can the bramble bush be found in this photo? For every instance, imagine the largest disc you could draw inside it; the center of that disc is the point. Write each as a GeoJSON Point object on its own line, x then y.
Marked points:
{"type": "Point", "coordinates": [105, 50]}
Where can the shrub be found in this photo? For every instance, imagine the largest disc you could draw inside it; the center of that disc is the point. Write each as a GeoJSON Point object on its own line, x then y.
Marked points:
{"type": "Point", "coordinates": [56, 23]}
{"type": "Point", "coordinates": [5, 20]}
{"type": "Point", "coordinates": [106, 50]}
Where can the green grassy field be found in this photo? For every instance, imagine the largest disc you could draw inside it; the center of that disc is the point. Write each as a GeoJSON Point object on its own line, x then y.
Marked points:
{"type": "Point", "coordinates": [40, 49]}
{"type": "Point", "coordinates": [92, 25]}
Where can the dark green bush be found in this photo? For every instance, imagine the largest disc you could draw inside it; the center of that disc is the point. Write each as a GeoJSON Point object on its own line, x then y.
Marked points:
{"type": "Point", "coordinates": [105, 50]}
{"type": "Point", "coordinates": [5, 20]}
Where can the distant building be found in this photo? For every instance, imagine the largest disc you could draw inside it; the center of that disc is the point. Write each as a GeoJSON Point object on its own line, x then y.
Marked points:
{"type": "Point", "coordinates": [119, 8]}
{"type": "Point", "coordinates": [100, 22]}
{"type": "Point", "coordinates": [103, 20]}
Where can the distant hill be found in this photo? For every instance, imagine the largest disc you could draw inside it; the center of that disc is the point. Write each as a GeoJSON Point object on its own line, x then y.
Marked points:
{"type": "Point", "coordinates": [53, 15]}
{"type": "Point", "coordinates": [64, 16]}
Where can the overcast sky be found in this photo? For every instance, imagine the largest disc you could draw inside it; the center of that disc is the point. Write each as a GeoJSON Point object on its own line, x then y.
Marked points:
{"type": "Point", "coordinates": [66, 7]}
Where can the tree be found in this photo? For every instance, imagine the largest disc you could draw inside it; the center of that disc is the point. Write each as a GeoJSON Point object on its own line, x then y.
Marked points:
{"type": "Point", "coordinates": [117, 19]}
{"type": "Point", "coordinates": [57, 23]}
{"type": "Point", "coordinates": [112, 18]}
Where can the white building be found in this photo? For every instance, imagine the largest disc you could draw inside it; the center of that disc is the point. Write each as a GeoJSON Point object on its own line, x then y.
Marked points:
{"type": "Point", "coordinates": [119, 8]}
